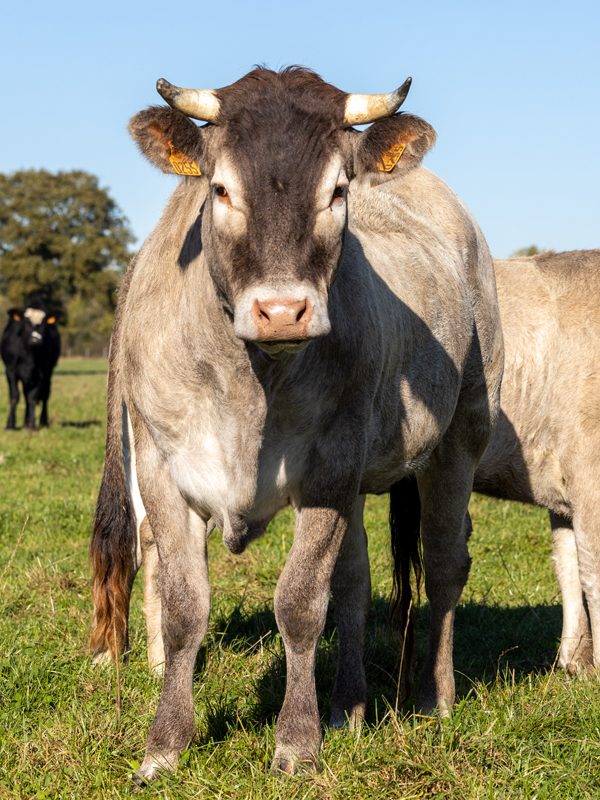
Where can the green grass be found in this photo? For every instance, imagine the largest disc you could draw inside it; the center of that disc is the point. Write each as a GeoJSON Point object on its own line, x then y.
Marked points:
{"type": "Point", "coordinates": [519, 730]}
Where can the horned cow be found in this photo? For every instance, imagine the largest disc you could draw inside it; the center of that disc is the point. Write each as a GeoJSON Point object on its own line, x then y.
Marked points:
{"type": "Point", "coordinates": [320, 321]}
{"type": "Point", "coordinates": [545, 448]}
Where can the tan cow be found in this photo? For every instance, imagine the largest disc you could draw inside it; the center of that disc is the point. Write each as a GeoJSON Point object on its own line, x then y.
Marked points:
{"type": "Point", "coordinates": [313, 318]}
{"type": "Point", "coordinates": [545, 449]}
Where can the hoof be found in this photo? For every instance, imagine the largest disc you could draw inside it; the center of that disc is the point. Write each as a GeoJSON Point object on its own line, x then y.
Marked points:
{"type": "Point", "coordinates": [153, 765]}
{"type": "Point", "coordinates": [289, 762]}
{"type": "Point", "coordinates": [101, 659]}
{"type": "Point", "coordinates": [348, 720]}
{"type": "Point", "coordinates": [575, 668]}
{"type": "Point", "coordinates": [437, 710]}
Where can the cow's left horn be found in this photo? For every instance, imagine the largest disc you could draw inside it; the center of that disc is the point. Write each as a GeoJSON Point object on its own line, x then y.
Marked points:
{"type": "Point", "coordinates": [199, 104]}
{"type": "Point", "coordinates": [364, 108]}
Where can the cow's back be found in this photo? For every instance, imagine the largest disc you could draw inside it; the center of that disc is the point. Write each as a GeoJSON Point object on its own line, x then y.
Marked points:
{"type": "Point", "coordinates": [550, 405]}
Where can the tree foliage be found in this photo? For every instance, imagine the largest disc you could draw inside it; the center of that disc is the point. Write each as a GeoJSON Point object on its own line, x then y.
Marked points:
{"type": "Point", "coordinates": [63, 239]}
{"type": "Point", "coordinates": [533, 250]}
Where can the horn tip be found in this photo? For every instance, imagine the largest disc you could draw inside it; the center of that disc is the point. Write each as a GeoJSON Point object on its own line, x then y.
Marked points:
{"type": "Point", "coordinates": [164, 88]}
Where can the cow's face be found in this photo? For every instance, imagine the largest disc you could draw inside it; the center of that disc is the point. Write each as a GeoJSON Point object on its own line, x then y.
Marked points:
{"type": "Point", "coordinates": [35, 322]}
{"type": "Point", "coordinates": [278, 160]}
{"type": "Point", "coordinates": [273, 230]}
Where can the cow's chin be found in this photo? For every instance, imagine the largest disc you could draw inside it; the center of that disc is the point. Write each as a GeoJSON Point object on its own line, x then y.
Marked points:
{"type": "Point", "coordinates": [272, 348]}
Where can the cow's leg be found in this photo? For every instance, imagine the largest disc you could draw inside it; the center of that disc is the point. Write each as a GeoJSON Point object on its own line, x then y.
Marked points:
{"type": "Point", "coordinates": [13, 390]}
{"type": "Point", "coordinates": [301, 600]}
{"type": "Point", "coordinates": [44, 394]}
{"type": "Point", "coordinates": [351, 589]}
{"type": "Point", "coordinates": [31, 396]}
{"type": "Point", "coordinates": [180, 537]}
{"type": "Point", "coordinates": [586, 527]}
{"type": "Point", "coordinates": [152, 602]}
{"type": "Point", "coordinates": [445, 529]}
{"type": "Point", "coordinates": [576, 639]}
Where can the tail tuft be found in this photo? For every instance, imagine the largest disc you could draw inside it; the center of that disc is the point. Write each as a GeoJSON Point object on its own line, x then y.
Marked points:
{"type": "Point", "coordinates": [111, 557]}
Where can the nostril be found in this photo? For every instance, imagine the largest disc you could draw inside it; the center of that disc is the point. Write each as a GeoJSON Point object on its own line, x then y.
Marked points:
{"type": "Point", "coordinates": [263, 313]}
{"type": "Point", "coordinates": [301, 311]}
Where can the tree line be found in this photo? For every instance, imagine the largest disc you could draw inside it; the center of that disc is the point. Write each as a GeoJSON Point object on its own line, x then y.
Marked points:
{"type": "Point", "coordinates": [63, 240]}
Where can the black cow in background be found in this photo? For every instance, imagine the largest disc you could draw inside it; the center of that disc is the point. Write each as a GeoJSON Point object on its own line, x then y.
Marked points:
{"type": "Point", "coordinates": [30, 348]}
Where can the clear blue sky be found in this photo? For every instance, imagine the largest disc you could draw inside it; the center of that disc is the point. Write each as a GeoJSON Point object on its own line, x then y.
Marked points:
{"type": "Point", "coordinates": [512, 88]}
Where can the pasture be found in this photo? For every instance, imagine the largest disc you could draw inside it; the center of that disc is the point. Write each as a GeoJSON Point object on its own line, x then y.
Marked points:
{"type": "Point", "coordinates": [519, 730]}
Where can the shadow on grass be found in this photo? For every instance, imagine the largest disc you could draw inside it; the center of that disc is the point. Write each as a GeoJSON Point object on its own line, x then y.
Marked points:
{"type": "Point", "coordinates": [80, 371]}
{"type": "Point", "coordinates": [88, 423]}
{"type": "Point", "coordinates": [489, 642]}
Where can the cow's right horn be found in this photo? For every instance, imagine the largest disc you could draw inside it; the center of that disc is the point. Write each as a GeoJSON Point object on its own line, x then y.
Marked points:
{"type": "Point", "coordinates": [199, 104]}
{"type": "Point", "coordinates": [362, 109]}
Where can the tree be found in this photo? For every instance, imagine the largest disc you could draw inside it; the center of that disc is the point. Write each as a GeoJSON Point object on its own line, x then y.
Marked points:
{"type": "Point", "coordinates": [526, 251]}
{"type": "Point", "coordinates": [63, 239]}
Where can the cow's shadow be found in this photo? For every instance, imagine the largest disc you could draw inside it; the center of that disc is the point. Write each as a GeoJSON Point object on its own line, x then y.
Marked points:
{"type": "Point", "coordinates": [86, 423]}
{"type": "Point", "coordinates": [490, 643]}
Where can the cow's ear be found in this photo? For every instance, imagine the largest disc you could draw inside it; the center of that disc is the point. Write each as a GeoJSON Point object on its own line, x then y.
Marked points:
{"type": "Point", "coordinates": [392, 146]}
{"type": "Point", "coordinates": [168, 139]}
{"type": "Point", "coordinates": [15, 313]}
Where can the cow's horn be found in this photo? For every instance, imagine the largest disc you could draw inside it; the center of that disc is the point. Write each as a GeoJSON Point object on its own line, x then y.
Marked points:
{"type": "Point", "coordinates": [199, 104]}
{"type": "Point", "coordinates": [364, 108]}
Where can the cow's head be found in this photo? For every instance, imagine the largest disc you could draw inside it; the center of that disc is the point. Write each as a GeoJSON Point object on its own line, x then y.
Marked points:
{"type": "Point", "coordinates": [35, 322]}
{"type": "Point", "coordinates": [279, 152]}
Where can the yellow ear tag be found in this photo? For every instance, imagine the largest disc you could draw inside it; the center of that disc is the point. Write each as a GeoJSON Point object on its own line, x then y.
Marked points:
{"type": "Point", "coordinates": [16, 318]}
{"type": "Point", "coordinates": [390, 158]}
{"type": "Point", "coordinates": [181, 163]}
{"type": "Point", "coordinates": [51, 320]}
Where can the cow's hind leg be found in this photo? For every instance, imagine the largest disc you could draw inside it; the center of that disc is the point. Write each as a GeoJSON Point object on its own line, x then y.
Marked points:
{"type": "Point", "coordinates": [152, 602]}
{"type": "Point", "coordinates": [351, 590]}
{"type": "Point", "coordinates": [576, 639]}
{"type": "Point", "coordinates": [180, 537]}
{"type": "Point", "coordinates": [586, 526]}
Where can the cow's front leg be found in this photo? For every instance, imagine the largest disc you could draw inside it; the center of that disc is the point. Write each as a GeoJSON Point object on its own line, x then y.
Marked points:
{"type": "Point", "coordinates": [43, 396]}
{"type": "Point", "coordinates": [444, 491]}
{"type": "Point", "coordinates": [13, 389]}
{"type": "Point", "coordinates": [576, 639]}
{"type": "Point", "coordinates": [31, 397]}
{"type": "Point", "coordinates": [180, 537]}
{"type": "Point", "coordinates": [301, 602]}
{"type": "Point", "coordinates": [351, 590]}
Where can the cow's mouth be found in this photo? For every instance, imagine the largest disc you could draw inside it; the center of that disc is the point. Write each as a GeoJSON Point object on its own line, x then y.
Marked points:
{"type": "Point", "coordinates": [289, 346]}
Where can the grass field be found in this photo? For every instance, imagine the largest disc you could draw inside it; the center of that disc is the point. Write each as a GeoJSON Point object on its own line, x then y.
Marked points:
{"type": "Point", "coordinates": [520, 729]}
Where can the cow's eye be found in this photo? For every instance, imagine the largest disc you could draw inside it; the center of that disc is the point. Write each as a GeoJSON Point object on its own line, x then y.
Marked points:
{"type": "Point", "coordinates": [338, 193]}
{"type": "Point", "coordinates": [220, 191]}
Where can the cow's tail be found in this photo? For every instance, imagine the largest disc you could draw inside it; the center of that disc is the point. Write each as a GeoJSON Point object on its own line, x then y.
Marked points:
{"type": "Point", "coordinates": [405, 526]}
{"type": "Point", "coordinates": [113, 542]}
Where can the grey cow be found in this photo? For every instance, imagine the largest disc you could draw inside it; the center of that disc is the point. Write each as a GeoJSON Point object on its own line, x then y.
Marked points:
{"type": "Point", "coordinates": [313, 318]}
{"type": "Point", "coordinates": [545, 449]}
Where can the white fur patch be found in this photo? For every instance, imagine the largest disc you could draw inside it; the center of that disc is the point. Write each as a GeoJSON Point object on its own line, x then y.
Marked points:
{"type": "Point", "coordinates": [131, 478]}
{"type": "Point", "coordinates": [34, 315]}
